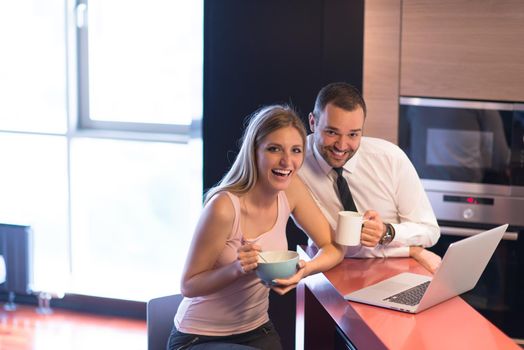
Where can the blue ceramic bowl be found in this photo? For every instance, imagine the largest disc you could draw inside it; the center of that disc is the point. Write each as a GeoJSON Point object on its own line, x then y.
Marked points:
{"type": "Point", "coordinates": [278, 264]}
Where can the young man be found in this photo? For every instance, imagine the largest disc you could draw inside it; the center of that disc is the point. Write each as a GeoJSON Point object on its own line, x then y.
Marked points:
{"type": "Point", "coordinates": [383, 184]}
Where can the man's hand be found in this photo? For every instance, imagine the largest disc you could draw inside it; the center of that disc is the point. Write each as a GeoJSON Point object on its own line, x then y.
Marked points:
{"type": "Point", "coordinates": [372, 230]}
{"type": "Point", "coordinates": [429, 260]}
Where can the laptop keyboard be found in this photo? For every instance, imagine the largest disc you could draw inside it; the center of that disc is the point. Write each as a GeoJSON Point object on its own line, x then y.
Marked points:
{"type": "Point", "coordinates": [410, 296]}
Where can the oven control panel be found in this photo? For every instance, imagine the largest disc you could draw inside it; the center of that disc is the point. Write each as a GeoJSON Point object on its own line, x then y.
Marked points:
{"type": "Point", "coordinates": [468, 199]}
{"type": "Point", "coordinates": [477, 209]}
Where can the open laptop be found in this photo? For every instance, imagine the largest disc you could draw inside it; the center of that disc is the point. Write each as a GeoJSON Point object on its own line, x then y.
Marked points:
{"type": "Point", "coordinates": [459, 271]}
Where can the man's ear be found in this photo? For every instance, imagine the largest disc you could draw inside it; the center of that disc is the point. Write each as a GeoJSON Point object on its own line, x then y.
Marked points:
{"type": "Point", "coordinates": [311, 118]}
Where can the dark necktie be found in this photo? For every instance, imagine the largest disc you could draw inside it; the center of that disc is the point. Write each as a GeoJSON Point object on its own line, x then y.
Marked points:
{"type": "Point", "coordinates": [344, 192]}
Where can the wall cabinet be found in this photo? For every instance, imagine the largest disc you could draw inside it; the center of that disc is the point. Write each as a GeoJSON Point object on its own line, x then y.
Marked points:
{"type": "Point", "coordinates": [449, 48]}
{"type": "Point", "coordinates": [381, 68]}
{"type": "Point", "coordinates": [463, 49]}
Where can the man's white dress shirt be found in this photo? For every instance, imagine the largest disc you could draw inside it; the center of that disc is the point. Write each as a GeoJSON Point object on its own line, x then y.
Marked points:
{"type": "Point", "coordinates": [381, 178]}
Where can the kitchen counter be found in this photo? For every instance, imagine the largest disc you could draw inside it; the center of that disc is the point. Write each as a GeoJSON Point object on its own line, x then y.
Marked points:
{"type": "Point", "coordinates": [325, 320]}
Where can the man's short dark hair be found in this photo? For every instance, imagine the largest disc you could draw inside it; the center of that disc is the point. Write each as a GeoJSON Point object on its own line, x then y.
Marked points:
{"type": "Point", "coordinates": [342, 95]}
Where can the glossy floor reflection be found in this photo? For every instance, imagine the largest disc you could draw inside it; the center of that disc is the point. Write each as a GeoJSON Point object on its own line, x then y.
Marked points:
{"type": "Point", "coordinates": [25, 329]}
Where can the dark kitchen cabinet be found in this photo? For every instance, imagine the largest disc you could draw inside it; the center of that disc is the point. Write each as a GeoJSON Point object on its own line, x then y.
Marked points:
{"type": "Point", "coordinates": [260, 52]}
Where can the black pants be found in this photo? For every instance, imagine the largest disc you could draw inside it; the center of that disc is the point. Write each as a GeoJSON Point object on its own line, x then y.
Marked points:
{"type": "Point", "coordinates": [264, 337]}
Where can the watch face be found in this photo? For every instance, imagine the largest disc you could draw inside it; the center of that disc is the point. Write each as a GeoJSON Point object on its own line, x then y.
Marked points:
{"type": "Point", "coordinates": [388, 237]}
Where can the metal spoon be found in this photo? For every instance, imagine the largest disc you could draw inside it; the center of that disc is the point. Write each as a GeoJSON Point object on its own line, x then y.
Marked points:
{"type": "Point", "coordinates": [262, 257]}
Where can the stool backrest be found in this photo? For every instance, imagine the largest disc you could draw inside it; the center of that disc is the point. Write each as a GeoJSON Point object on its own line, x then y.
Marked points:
{"type": "Point", "coordinates": [160, 314]}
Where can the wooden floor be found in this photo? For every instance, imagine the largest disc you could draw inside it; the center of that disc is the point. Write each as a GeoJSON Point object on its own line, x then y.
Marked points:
{"type": "Point", "coordinates": [25, 329]}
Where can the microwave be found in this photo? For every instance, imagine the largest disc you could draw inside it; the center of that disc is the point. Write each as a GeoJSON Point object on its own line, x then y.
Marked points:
{"type": "Point", "coordinates": [469, 156]}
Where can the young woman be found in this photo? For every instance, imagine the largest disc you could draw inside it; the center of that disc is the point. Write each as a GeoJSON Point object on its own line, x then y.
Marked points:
{"type": "Point", "coordinates": [225, 302]}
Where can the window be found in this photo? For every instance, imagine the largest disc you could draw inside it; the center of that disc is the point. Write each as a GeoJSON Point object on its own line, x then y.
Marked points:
{"type": "Point", "coordinates": [134, 207]}
{"type": "Point", "coordinates": [141, 64]}
{"type": "Point", "coordinates": [90, 129]}
{"type": "Point", "coordinates": [32, 66]}
{"type": "Point", "coordinates": [33, 188]}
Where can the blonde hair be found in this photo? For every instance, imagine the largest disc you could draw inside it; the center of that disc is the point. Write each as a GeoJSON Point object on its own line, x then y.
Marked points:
{"type": "Point", "coordinates": [242, 175]}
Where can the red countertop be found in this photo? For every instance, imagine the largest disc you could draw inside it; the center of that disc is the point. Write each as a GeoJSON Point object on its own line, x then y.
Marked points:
{"type": "Point", "coordinates": [452, 324]}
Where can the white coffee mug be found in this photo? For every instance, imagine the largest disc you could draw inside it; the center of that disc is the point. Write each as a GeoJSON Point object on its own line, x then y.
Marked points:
{"type": "Point", "coordinates": [349, 228]}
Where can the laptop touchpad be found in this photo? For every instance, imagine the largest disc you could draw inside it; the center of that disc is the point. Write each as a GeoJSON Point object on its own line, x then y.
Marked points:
{"type": "Point", "coordinates": [390, 286]}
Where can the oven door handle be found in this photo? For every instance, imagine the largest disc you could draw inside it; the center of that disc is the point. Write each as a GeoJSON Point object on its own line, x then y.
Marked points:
{"type": "Point", "coordinates": [466, 232]}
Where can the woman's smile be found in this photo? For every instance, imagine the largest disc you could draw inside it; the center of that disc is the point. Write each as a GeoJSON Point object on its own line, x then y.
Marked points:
{"type": "Point", "coordinates": [279, 155]}
{"type": "Point", "coordinates": [282, 172]}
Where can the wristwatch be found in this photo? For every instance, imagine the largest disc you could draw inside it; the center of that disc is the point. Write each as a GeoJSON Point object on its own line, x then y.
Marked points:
{"type": "Point", "coordinates": [388, 236]}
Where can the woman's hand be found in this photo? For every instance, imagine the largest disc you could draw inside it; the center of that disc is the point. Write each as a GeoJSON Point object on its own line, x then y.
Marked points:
{"type": "Point", "coordinates": [284, 285]}
{"type": "Point", "coordinates": [426, 258]}
{"type": "Point", "coordinates": [247, 256]}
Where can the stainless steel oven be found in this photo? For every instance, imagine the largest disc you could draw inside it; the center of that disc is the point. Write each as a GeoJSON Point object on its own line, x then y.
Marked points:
{"type": "Point", "coordinates": [470, 157]}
